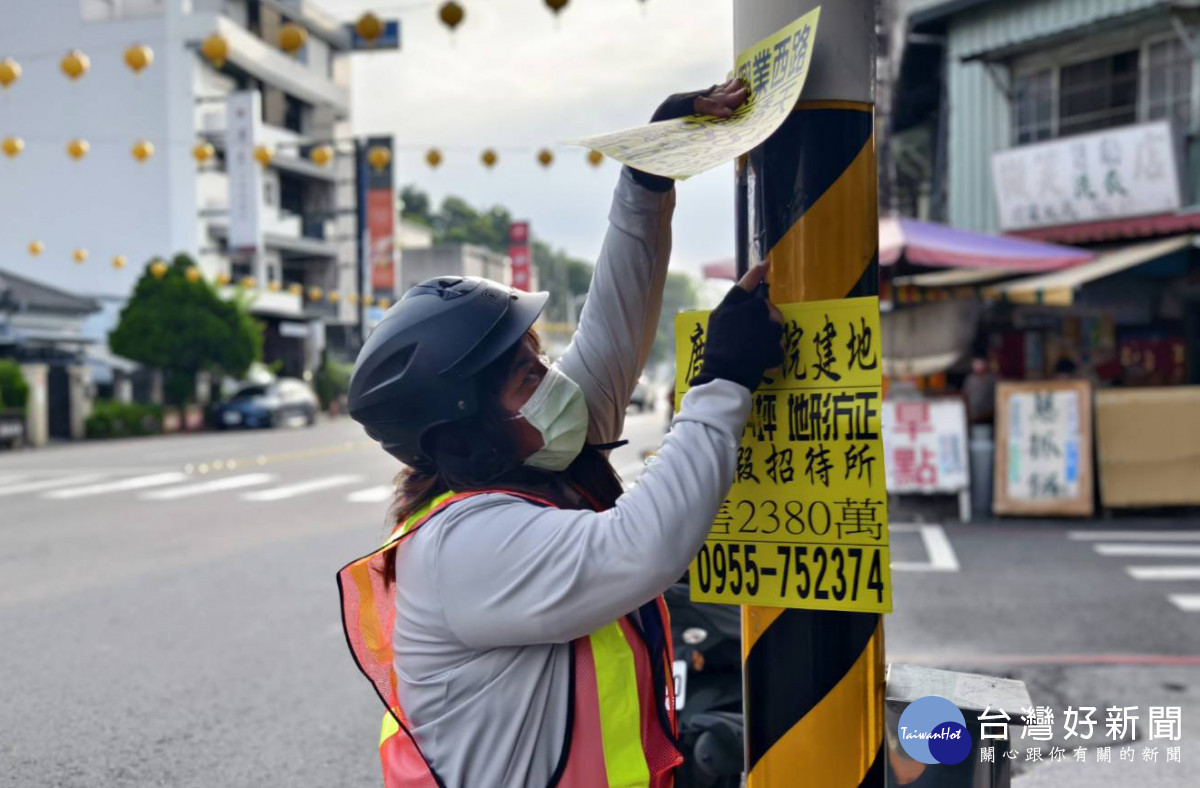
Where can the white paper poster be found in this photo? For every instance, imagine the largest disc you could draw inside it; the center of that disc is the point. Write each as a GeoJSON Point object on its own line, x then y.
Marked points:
{"type": "Point", "coordinates": [925, 446]}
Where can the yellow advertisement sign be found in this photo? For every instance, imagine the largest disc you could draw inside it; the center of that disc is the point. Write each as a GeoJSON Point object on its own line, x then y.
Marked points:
{"type": "Point", "coordinates": [805, 523]}
{"type": "Point", "coordinates": [773, 70]}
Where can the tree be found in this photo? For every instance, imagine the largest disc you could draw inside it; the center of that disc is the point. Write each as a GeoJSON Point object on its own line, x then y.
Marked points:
{"type": "Point", "coordinates": [678, 294]}
{"type": "Point", "coordinates": [182, 327]}
{"type": "Point", "coordinates": [415, 206]}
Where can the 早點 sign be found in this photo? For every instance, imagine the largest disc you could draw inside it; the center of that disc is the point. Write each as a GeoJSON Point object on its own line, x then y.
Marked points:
{"type": "Point", "coordinates": [926, 445]}
{"type": "Point", "coordinates": [805, 523]}
{"type": "Point", "coordinates": [773, 70]}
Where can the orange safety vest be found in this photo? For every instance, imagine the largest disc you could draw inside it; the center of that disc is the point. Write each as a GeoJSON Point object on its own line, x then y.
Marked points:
{"type": "Point", "coordinates": [621, 727]}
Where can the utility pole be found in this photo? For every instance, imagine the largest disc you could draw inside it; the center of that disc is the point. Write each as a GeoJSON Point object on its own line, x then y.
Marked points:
{"type": "Point", "coordinates": [814, 680]}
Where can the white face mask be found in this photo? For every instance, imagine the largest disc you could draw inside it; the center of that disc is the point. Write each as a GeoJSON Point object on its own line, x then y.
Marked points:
{"type": "Point", "coordinates": [559, 412]}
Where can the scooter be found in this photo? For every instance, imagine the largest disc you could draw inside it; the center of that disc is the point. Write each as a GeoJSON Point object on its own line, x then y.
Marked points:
{"type": "Point", "coordinates": [708, 690]}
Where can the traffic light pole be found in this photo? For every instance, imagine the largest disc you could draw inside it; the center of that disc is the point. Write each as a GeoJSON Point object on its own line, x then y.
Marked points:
{"type": "Point", "coordinates": [813, 681]}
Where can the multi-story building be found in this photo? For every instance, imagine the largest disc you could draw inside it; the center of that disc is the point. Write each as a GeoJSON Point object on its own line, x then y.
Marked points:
{"type": "Point", "coordinates": [109, 204]}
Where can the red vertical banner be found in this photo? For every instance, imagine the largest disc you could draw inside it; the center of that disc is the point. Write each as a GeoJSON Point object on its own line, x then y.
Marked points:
{"type": "Point", "coordinates": [381, 237]}
{"type": "Point", "coordinates": [518, 251]}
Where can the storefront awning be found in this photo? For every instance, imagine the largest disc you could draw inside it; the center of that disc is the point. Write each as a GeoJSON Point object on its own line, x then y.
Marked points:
{"type": "Point", "coordinates": [1058, 288]}
{"type": "Point", "coordinates": [926, 243]}
{"type": "Point", "coordinates": [954, 277]}
{"type": "Point", "coordinates": [1128, 228]}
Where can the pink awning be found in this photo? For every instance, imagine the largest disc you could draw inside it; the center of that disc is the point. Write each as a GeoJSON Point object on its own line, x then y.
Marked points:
{"type": "Point", "coordinates": [926, 243]}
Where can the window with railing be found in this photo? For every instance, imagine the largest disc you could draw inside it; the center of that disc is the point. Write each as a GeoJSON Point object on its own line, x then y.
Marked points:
{"type": "Point", "coordinates": [106, 10]}
{"type": "Point", "coordinates": [1149, 82]}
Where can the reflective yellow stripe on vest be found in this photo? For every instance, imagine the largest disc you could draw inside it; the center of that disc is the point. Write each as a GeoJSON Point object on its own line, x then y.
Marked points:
{"type": "Point", "coordinates": [390, 728]}
{"type": "Point", "coordinates": [417, 516]}
{"type": "Point", "coordinates": [620, 708]}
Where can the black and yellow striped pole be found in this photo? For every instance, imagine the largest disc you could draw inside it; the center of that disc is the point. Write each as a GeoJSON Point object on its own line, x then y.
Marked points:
{"type": "Point", "coordinates": [814, 680]}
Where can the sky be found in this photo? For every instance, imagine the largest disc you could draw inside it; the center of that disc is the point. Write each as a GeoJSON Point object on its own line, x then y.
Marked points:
{"type": "Point", "coordinates": [515, 78]}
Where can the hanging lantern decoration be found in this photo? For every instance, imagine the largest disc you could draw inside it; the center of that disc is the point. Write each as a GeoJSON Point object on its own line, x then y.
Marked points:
{"type": "Point", "coordinates": [78, 148]}
{"type": "Point", "coordinates": [273, 285]}
{"type": "Point", "coordinates": [142, 151]}
{"type": "Point", "coordinates": [192, 274]}
{"type": "Point", "coordinates": [321, 155]}
{"type": "Point", "coordinates": [75, 64]}
{"type": "Point", "coordinates": [80, 255]}
{"type": "Point", "coordinates": [296, 289]}
{"type": "Point", "coordinates": [368, 299]}
{"type": "Point", "coordinates": [203, 151]}
{"type": "Point", "coordinates": [223, 279]}
{"type": "Point", "coordinates": [120, 261]}
{"type": "Point", "coordinates": [451, 15]}
{"type": "Point", "coordinates": [379, 157]}
{"type": "Point", "coordinates": [433, 157]}
{"type": "Point", "coordinates": [10, 72]}
{"type": "Point", "coordinates": [383, 303]}
{"type": "Point", "coordinates": [36, 248]}
{"type": "Point", "coordinates": [333, 296]}
{"type": "Point", "coordinates": [215, 49]}
{"type": "Point", "coordinates": [262, 155]}
{"type": "Point", "coordinates": [158, 269]}
{"type": "Point", "coordinates": [489, 158]}
{"type": "Point", "coordinates": [247, 283]}
{"type": "Point", "coordinates": [12, 146]}
{"type": "Point", "coordinates": [369, 27]}
{"type": "Point", "coordinates": [292, 38]}
{"type": "Point", "coordinates": [352, 299]}
{"type": "Point", "coordinates": [314, 293]}
{"type": "Point", "coordinates": [595, 158]}
{"type": "Point", "coordinates": [545, 157]}
{"type": "Point", "coordinates": [556, 5]}
{"type": "Point", "coordinates": [139, 57]}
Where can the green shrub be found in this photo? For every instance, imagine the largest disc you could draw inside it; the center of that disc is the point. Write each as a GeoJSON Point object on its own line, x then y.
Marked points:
{"type": "Point", "coordinates": [332, 380]}
{"type": "Point", "coordinates": [111, 419]}
{"type": "Point", "coordinates": [14, 391]}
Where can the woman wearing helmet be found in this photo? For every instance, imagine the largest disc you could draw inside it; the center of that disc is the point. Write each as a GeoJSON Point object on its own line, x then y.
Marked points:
{"type": "Point", "coordinates": [512, 622]}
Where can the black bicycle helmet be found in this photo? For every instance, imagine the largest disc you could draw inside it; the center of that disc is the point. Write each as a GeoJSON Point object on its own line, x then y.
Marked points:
{"type": "Point", "coordinates": [415, 370]}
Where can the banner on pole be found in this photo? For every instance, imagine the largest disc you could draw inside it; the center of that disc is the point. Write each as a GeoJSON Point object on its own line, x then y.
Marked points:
{"type": "Point", "coordinates": [774, 71]}
{"type": "Point", "coordinates": [805, 523]}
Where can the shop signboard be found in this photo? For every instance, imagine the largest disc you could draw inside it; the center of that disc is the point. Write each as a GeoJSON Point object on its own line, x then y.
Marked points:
{"type": "Point", "coordinates": [1044, 448]}
{"type": "Point", "coordinates": [804, 524]}
{"type": "Point", "coordinates": [519, 254]}
{"type": "Point", "coordinates": [1110, 174]}
{"type": "Point", "coordinates": [925, 445]}
{"type": "Point", "coordinates": [243, 111]}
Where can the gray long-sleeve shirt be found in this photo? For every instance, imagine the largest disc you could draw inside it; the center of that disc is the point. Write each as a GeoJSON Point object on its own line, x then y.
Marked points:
{"type": "Point", "coordinates": [491, 591]}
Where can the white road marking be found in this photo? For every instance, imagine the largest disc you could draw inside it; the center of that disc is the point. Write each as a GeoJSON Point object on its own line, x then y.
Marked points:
{"type": "Point", "coordinates": [212, 485]}
{"type": "Point", "coordinates": [1188, 603]}
{"type": "Point", "coordinates": [371, 494]}
{"type": "Point", "coordinates": [1134, 536]}
{"type": "Point", "coordinates": [300, 488]}
{"type": "Point", "coordinates": [1149, 550]}
{"type": "Point", "coordinates": [937, 546]}
{"type": "Point", "coordinates": [1168, 573]}
{"type": "Point", "coordinates": [119, 485]}
{"type": "Point", "coordinates": [46, 484]}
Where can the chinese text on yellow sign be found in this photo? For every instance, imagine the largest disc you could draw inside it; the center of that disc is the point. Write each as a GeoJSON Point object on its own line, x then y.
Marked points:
{"type": "Point", "coordinates": [805, 522]}
{"type": "Point", "coordinates": [774, 71]}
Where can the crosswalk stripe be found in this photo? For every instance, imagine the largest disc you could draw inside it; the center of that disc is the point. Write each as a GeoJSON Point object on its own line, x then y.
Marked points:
{"type": "Point", "coordinates": [1150, 550]}
{"type": "Point", "coordinates": [300, 488]}
{"type": "Point", "coordinates": [46, 484]}
{"type": "Point", "coordinates": [371, 494]}
{"type": "Point", "coordinates": [212, 485]}
{"type": "Point", "coordinates": [1135, 536]}
{"type": "Point", "coordinates": [118, 485]}
{"type": "Point", "coordinates": [937, 546]}
{"type": "Point", "coordinates": [1167, 573]}
{"type": "Point", "coordinates": [1188, 603]}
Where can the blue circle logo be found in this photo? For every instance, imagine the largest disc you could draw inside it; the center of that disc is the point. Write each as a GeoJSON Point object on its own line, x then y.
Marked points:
{"type": "Point", "coordinates": [933, 730]}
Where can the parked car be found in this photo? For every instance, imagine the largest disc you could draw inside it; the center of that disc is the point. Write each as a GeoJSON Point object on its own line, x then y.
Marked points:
{"type": "Point", "coordinates": [270, 405]}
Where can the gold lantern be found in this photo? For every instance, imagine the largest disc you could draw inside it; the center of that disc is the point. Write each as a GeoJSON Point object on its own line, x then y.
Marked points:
{"type": "Point", "coordinates": [36, 248]}
{"type": "Point", "coordinates": [369, 27]}
{"type": "Point", "coordinates": [158, 269]}
{"type": "Point", "coordinates": [368, 299]}
{"type": "Point", "coordinates": [333, 296]}
{"type": "Point", "coordinates": [379, 157]}
{"type": "Point", "coordinates": [80, 255]}
{"type": "Point", "coordinates": [78, 148]}
{"type": "Point", "coordinates": [314, 293]}
{"type": "Point", "coordinates": [203, 151]}
{"type": "Point", "coordinates": [142, 150]}
{"type": "Point", "coordinates": [75, 64]}
{"type": "Point", "coordinates": [120, 261]}
{"type": "Point", "coordinates": [192, 274]}
{"type": "Point", "coordinates": [216, 49]}
{"type": "Point", "coordinates": [296, 289]}
{"type": "Point", "coordinates": [352, 299]}
{"type": "Point", "coordinates": [292, 38]}
{"type": "Point", "coordinates": [451, 15]}
{"type": "Point", "coordinates": [433, 157]}
{"type": "Point", "coordinates": [545, 157]}
{"type": "Point", "coordinates": [139, 57]}
{"type": "Point", "coordinates": [321, 155]}
{"type": "Point", "coordinates": [10, 72]}
{"type": "Point", "coordinates": [248, 282]}
{"type": "Point", "coordinates": [12, 146]}
{"type": "Point", "coordinates": [489, 158]}
{"type": "Point", "coordinates": [262, 155]}
{"type": "Point", "coordinates": [273, 285]}
{"type": "Point", "coordinates": [223, 279]}
{"type": "Point", "coordinates": [556, 5]}
{"type": "Point", "coordinates": [383, 303]}
{"type": "Point", "coordinates": [595, 158]}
